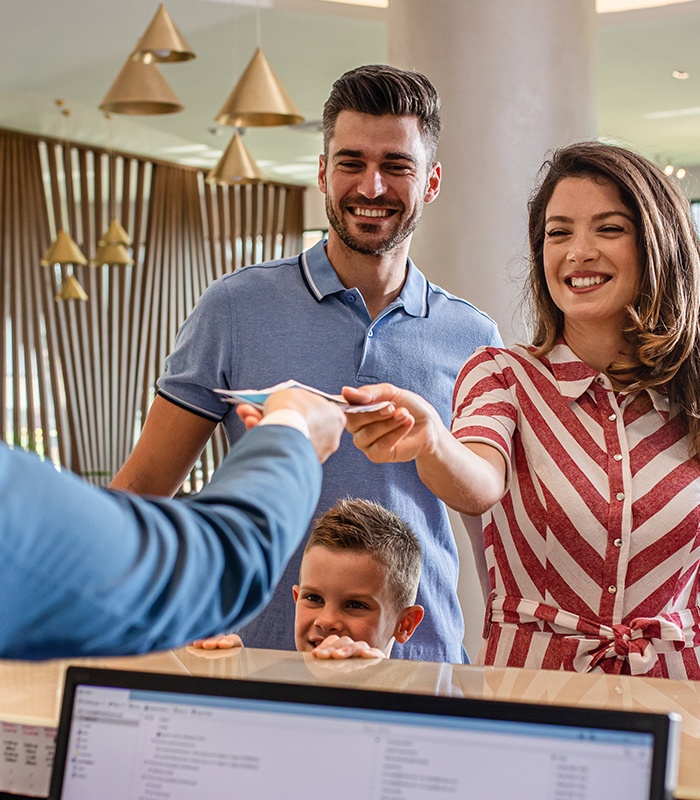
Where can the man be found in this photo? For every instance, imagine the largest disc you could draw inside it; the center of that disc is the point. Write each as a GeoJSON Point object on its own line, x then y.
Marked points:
{"type": "Point", "coordinates": [89, 572]}
{"type": "Point", "coordinates": [350, 311]}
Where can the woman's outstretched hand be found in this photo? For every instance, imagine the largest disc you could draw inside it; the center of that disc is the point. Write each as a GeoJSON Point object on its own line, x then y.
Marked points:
{"type": "Point", "coordinates": [468, 477]}
{"type": "Point", "coordinates": [405, 429]}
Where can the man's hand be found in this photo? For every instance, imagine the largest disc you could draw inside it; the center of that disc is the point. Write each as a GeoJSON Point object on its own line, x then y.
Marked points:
{"type": "Point", "coordinates": [406, 429]}
{"type": "Point", "coordinates": [222, 641]}
{"type": "Point", "coordinates": [334, 646]}
{"type": "Point", "coordinates": [323, 418]}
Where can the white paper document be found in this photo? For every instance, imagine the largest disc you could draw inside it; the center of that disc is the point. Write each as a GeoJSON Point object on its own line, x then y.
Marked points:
{"type": "Point", "coordinates": [256, 397]}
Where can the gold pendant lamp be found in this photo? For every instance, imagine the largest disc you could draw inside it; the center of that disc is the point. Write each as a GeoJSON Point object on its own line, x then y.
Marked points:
{"type": "Point", "coordinates": [259, 98]}
{"type": "Point", "coordinates": [71, 290]}
{"type": "Point", "coordinates": [112, 247]}
{"type": "Point", "coordinates": [64, 251]}
{"type": "Point", "coordinates": [116, 234]}
{"type": "Point", "coordinates": [140, 87]}
{"type": "Point", "coordinates": [236, 165]}
{"type": "Point", "coordinates": [162, 41]}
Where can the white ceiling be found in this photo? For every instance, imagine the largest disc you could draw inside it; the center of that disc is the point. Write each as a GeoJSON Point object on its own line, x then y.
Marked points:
{"type": "Point", "coordinates": [73, 50]}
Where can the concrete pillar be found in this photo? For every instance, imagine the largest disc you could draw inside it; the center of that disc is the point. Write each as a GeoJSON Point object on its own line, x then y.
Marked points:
{"type": "Point", "coordinates": [516, 78]}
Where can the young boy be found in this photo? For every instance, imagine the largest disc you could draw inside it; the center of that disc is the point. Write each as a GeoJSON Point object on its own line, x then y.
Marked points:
{"type": "Point", "coordinates": [357, 585]}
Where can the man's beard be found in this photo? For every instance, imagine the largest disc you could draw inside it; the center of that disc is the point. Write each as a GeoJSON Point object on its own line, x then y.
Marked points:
{"type": "Point", "coordinates": [371, 246]}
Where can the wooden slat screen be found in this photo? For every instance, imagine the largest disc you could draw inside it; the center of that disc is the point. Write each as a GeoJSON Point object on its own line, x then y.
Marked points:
{"type": "Point", "coordinates": [28, 381]}
{"type": "Point", "coordinates": [78, 377]}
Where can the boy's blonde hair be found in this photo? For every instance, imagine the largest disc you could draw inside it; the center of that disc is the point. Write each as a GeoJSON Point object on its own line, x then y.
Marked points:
{"type": "Point", "coordinates": [364, 526]}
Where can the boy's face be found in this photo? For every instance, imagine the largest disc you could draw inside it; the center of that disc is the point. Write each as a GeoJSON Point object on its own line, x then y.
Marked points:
{"type": "Point", "coordinates": [343, 592]}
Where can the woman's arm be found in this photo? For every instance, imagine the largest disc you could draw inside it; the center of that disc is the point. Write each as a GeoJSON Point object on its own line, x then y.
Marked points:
{"type": "Point", "coordinates": [470, 478]}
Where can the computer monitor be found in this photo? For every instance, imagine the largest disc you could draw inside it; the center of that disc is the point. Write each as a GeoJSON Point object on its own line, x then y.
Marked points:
{"type": "Point", "coordinates": [148, 736]}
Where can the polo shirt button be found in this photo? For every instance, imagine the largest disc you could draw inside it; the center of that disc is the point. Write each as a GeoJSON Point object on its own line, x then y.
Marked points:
{"type": "Point", "coordinates": [612, 589]}
{"type": "Point", "coordinates": [620, 496]}
{"type": "Point", "coordinates": [351, 298]}
{"type": "Point", "coordinates": [370, 334]}
{"type": "Point", "coordinates": [618, 542]}
{"type": "Point", "coordinates": [612, 417]}
{"type": "Point", "coordinates": [617, 457]}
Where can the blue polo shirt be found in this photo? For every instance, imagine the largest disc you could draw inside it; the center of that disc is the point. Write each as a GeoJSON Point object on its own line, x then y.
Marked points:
{"type": "Point", "coordinates": [292, 318]}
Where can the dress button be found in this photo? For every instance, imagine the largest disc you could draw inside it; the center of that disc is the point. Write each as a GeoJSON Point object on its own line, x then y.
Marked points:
{"type": "Point", "coordinates": [617, 457]}
{"type": "Point", "coordinates": [351, 298]}
{"type": "Point", "coordinates": [620, 496]}
{"type": "Point", "coordinates": [612, 589]}
{"type": "Point", "coordinates": [612, 417]}
{"type": "Point", "coordinates": [618, 542]}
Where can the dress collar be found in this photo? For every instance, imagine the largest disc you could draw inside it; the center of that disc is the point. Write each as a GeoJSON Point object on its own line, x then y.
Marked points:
{"type": "Point", "coordinates": [574, 377]}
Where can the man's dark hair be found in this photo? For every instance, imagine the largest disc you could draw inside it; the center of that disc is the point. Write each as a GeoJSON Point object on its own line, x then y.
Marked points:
{"type": "Point", "coordinates": [379, 89]}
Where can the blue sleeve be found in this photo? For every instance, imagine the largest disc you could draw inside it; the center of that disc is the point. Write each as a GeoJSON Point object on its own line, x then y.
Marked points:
{"type": "Point", "coordinates": [202, 359]}
{"type": "Point", "coordinates": [495, 340]}
{"type": "Point", "coordinates": [85, 571]}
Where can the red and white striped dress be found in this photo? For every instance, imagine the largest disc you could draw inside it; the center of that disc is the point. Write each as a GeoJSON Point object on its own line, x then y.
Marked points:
{"type": "Point", "coordinates": [593, 553]}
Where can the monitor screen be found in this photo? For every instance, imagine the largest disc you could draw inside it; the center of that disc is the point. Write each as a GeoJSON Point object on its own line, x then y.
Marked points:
{"type": "Point", "coordinates": [154, 744]}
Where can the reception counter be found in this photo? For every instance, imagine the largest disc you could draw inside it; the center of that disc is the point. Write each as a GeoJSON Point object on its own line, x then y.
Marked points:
{"type": "Point", "coordinates": [30, 697]}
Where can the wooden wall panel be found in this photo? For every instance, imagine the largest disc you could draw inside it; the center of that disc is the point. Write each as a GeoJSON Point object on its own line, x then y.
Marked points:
{"type": "Point", "coordinates": [81, 375]}
{"type": "Point", "coordinates": [29, 382]}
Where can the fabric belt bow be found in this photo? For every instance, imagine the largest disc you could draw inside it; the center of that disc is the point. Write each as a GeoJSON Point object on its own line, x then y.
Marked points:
{"type": "Point", "coordinates": [587, 643]}
{"type": "Point", "coordinates": [639, 643]}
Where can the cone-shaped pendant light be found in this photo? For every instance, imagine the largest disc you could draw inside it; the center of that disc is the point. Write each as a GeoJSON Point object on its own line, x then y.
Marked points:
{"type": "Point", "coordinates": [115, 254]}
{"type": "Point", "coordinates": [63, 250]}
{"type": "Point", "coordinates": [140, 88]}
{"type": "Point", "coordinates": [71, 290]}
{"type": "Point", "coordinates": [236, 165]}
{"type": "Point", "coordinates": [115, 235]}
{"type": "Point", "coordinates": [112, 247]}
{"type": "Point", "coordinates": [162, 41]}
{"type": "Point", "coordinates": [259, 98]}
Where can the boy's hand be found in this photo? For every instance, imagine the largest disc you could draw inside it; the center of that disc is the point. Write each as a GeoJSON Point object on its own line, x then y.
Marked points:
{"type": "Point", "coordinates": [334, 646]}
{"type": "Point", "coordinates": [222, 641]}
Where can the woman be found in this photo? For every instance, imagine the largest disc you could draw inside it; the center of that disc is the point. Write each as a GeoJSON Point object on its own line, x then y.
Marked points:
{"type": "Point", "coordinates": [581, 451]}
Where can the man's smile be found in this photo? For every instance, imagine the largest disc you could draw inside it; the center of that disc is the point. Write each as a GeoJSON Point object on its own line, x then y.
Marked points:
{"type": "Point", "coordinates": [370, 212]}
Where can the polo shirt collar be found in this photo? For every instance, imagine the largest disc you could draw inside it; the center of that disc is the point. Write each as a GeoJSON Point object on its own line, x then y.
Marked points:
{"type": "Point", "coordinates": [574, 377]}
{"type": "Point", "coordinates": [323, 280]}
{"type": "Point", "coordinates": [414, 294]}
